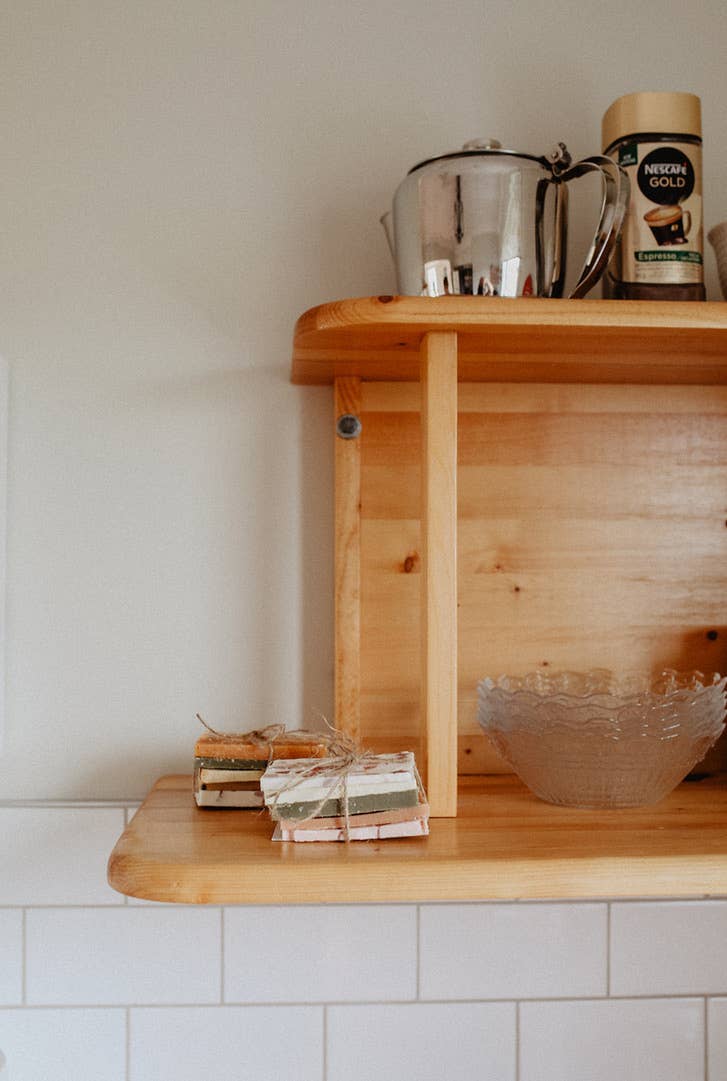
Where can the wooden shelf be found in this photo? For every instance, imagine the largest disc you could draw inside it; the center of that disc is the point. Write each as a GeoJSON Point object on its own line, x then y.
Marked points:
{"type": "Point", "coordinates": [504, 843]}
{"type": "Point", "coordinates": [644, 401]}
{"type": "Point", "coordinates": [516, 341]}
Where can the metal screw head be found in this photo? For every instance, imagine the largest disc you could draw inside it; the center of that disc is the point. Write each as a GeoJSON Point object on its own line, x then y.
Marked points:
{"type": "Point", "coordinates": [348, 426]}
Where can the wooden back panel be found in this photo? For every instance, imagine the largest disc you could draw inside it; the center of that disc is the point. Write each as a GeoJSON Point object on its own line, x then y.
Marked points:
{"type": "Point", "coordinates": [592, 532]}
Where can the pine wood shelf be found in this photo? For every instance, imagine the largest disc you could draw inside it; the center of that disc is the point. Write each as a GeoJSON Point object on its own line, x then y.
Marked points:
{"type": "Point", "coordinates": [525, 340]}
{"type": "Point", "coordinates": [534, 423]}
{"type": "Point", "coordinates": [504, 843]}
{"type": "Point", "coordinates": [615, 415]}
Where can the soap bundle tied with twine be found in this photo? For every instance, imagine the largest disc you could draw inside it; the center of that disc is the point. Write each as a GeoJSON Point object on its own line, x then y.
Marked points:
{"type": "Point", "coordinates": [344, 756]}
{"type": "Point", "coordinates": [266, 738]}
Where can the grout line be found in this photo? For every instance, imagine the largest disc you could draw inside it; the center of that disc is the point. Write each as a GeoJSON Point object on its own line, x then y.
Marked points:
{"type": "Point", "coordinates": [128, 1044]}
{"type": "Point", "coordinates": [68, 805]}
{"type": "Point", "coordinates": [608, 949]}
{"type": "Point", "coordinates": [706, 1038]}
{"type": "Point", "coordinates": [325, 1004]}
{"type": "Point", "coordinates": [222, 954]}
{"type": "Point", "coordinates": [418, 954]}
{"type": "Point", "coordinates": [151, 903]}
{"type": "Point", "coordinates": [517, 1041]}
{"type": "Point", "coordinates": [324, 1056]}
{"type": "Point", "coordinates": [24, 960]}
{"type": "Point", "coordinates": [95, 905]}
{"type": "Point", "coordinates": [692, 996]}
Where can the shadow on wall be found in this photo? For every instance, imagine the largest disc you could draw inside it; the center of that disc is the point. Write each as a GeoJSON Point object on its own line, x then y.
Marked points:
{"type": "Point", "coordinates": [270, 479]}
{"type": "Point", "coordinates": [229, 586]}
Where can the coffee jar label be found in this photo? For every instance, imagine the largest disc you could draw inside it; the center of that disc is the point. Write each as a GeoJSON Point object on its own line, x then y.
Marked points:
{"type": "Point", "coordinates": [661, 241]}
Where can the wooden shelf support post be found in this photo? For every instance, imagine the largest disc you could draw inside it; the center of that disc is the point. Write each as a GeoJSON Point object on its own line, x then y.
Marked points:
{"type": "Point", "coordinates": [347, 605]}
{"type": "Point", "coordinates": [438, 374]}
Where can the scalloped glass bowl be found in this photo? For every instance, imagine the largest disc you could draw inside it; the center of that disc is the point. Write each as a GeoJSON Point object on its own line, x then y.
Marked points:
{"type": "Point", "coordinates": [594, 739]}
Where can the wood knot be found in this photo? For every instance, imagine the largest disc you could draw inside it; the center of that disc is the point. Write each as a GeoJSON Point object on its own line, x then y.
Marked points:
{"type": "Point", "coordinates": [713, 635]}
{"type": "Point", "coordinates": [411, 563]}
{"type": "Point", "coordinates": [385, 300]}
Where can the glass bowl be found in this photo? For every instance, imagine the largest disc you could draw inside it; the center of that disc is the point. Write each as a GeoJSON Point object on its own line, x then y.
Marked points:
{"type": "Point", "coordinates": [594, 739]}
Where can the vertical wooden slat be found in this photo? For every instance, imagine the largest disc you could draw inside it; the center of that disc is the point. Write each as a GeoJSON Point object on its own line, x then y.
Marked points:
{"type": "Point", "coordinates": [439, 569]}
{"type": "Point", "coordinates": [347, 458]}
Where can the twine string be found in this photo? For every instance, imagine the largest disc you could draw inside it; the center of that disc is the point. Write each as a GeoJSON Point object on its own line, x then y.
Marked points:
{"type": "Point", "coordinates": [344, 756]}
{"type": "Point", "coordinates": [267, 736]}
{"type": "Point", "coordinates": [335, 772]}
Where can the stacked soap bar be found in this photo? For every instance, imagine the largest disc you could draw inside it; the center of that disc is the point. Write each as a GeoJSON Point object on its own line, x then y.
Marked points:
{"type": "Point", "coordinates": [228, 769]}
{"type": "Point", "coordinates": [380, 796]}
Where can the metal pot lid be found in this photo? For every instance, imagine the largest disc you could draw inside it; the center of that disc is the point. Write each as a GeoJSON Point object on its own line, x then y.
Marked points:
{"type": "Point", "coordinates": [558, 159]}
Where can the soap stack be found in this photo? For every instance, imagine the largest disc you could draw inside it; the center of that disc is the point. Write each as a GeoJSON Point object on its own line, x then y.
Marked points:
{"type": "Point", "coordinates": [228, 768]}
{"type": "Point", "coordinates": [376, 797]}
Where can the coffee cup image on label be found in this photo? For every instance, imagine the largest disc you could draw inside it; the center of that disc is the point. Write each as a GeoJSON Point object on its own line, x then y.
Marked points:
{"type": "Point", "coordinates": [669, 224]}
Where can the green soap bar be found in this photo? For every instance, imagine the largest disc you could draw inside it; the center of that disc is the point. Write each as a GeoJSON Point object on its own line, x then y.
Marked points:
{"type": "Point", "coordinates": [376, 801]}
{"type": "Point", "coordinates": [231, 763]}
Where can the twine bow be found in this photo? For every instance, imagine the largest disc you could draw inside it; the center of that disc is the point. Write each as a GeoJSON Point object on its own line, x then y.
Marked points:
{"type": "Point", "coordinates": [266, 737]}
{"type": "Point", "coordinates": [345, 755]}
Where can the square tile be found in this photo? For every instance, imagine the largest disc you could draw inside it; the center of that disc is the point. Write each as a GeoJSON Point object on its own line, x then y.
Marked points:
{"type": "Point", "coordinates": [513, 951]}
{"type": "Point", "coordinates": [320, 954]}
{"type": "Point", "coordinates": [281, 1043]}
{"type": "Point", "coordinates": [625, 1040]}
{"type": "Point", "coordinates": [428, 1042]}
{"type": "Point", "coordinates": [669, 947]}
{"type": "Point", "coordinates": [125, 955]}
{"type": "Point", "coordinates": [58, 856]}
{"type": "Point", "coordinates": [64, 1045]}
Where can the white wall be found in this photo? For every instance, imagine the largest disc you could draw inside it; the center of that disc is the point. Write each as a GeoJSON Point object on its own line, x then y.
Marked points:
{"type": "Point", "coordinates": [179, 181]}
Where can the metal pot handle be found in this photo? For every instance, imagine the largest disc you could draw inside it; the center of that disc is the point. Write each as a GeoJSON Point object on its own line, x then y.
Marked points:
{"type": "Point", "coordinates": [613, 208]}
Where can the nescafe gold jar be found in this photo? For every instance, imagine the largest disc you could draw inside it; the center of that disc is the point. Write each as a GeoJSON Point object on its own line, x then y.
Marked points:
{"type": "Point", "coordinates": [657, 139]}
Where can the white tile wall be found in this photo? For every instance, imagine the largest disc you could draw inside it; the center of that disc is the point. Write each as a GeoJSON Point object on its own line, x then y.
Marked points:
{"type": "Point", "coordinates": [667, 948]}
{"type": "Point", "coordinates": [11, 956]}
{"type": "Point", "coordinates": [315, 954]}
{"type": "Point", "coordinates": [428, 1042]}
{"type": "Point", "coordinates": [64, 1045]}
{"type": "Point", "coordinates": [283, 1043]}
{"type": "Point", "coordinates": [94, 989]}
{"type": "Point", "coordinates": [58, 855]}
{"type": "Point", "coordinates": [620, 1040]}
{"type": "Point", "coordinates": [513, 951]}
{"type": "Point", "coordinates": [90, 956]}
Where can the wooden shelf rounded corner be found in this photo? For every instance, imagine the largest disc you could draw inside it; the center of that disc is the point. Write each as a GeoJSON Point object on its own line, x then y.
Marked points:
{"type": "Point", "coordinates": [504, 844]}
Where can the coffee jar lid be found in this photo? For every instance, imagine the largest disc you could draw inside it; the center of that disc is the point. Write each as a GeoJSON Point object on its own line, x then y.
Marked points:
{"type": "Point", "coordinates": [652, 111]}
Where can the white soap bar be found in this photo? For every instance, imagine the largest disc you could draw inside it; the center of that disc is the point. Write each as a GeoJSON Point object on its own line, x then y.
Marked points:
{"type": "Point", "coordinates": [309, 781]}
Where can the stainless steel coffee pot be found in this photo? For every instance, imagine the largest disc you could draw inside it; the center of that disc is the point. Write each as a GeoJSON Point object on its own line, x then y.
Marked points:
{"type": "Point", "coordinates": [493, 222]}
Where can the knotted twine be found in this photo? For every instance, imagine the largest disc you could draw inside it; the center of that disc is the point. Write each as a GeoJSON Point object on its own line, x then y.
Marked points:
{"type": "Point", "coordinates": [266, 737]}
{"type": "Point", "coordinates": [344, 756]}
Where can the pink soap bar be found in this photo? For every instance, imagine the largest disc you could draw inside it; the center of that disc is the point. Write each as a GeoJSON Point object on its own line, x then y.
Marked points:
{"type": "Point", "coordinates": [417, 827]}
